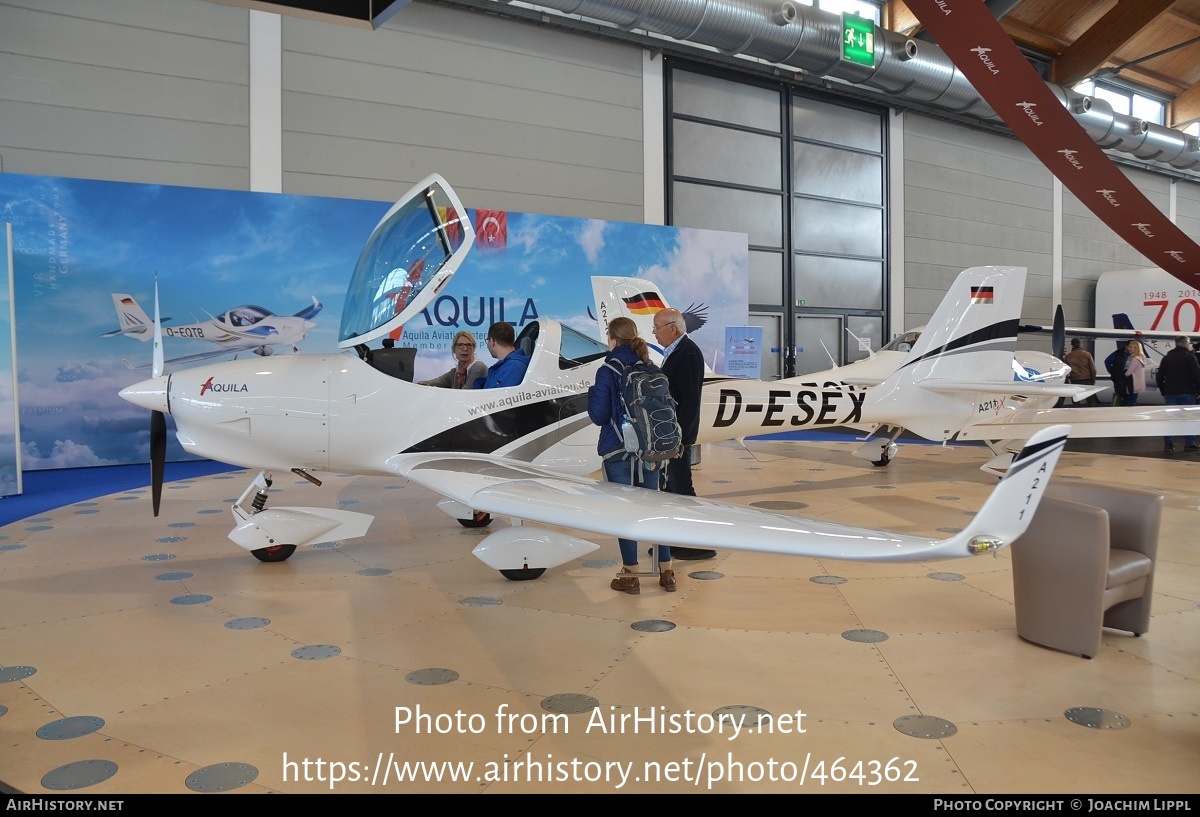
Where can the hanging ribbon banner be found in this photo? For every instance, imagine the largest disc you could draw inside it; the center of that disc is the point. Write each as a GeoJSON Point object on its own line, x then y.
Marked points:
{"type": "Point", "coordinates": [974, 41]}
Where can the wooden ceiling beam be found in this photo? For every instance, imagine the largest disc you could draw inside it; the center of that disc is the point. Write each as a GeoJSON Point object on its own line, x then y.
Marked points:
{"type": "Point", "coordinates": [1186, 108]}
{"type": "Point", "coordinates": [1092, 48]}
{"type": "Point", "coordinates": [897, 17]}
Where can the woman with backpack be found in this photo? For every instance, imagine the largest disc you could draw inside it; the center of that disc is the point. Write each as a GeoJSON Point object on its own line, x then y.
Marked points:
{"type": "Point", "coordinates": [1135, 371]}
{"type": "Point", "coordinates": [606, 409]}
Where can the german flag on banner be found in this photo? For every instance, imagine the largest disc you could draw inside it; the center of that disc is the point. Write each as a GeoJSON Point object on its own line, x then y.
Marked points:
{"type": "Point", "coordinates": [981, 295]}
{"type": "Point", "coordinates": [644, 303]}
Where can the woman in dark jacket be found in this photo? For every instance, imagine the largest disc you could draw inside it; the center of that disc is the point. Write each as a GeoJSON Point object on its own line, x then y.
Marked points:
{"type": "Point", "coordinates": [607, 411]}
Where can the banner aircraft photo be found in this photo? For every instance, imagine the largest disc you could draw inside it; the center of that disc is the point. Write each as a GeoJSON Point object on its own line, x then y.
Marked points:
{"type": "Point", "coordinates": [242, 328]}
{"type": "Point", "coordinates": [521, 451]}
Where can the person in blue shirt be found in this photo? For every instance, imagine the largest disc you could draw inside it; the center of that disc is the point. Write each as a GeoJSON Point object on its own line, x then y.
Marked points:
{"type": "Point", "coordinates": [511, 362]}
{"type": "Point", "coordinates": [606, 410]}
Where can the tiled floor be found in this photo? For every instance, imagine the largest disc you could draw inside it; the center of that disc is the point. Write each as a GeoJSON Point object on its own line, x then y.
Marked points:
{"type": "Point", "coordinates": [162, 692]}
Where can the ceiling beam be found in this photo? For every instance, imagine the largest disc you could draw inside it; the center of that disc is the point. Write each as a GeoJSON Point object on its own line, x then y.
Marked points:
{"type": "Point", "coordinates": [1186, 108]}
{"type": "Point", "coordinates": [897, 17]}
{"type": "Point", "coordinates": [1090, 50]}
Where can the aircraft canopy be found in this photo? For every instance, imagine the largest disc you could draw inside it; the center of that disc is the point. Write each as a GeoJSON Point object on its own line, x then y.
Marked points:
{"type": "Point", "coordinates": [411, 254]}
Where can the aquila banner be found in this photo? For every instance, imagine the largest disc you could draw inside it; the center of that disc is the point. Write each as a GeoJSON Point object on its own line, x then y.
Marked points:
{"type": "Point", "coordinates": [257, 273]}
{"type": "Point", "coordinates": [969, 34]}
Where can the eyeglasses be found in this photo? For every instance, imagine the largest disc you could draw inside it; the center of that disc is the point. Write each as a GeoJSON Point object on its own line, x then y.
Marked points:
{"type": "Point", "coordinates": [464, 346]}
{"type": "Point", "coordinates": [662, 325]}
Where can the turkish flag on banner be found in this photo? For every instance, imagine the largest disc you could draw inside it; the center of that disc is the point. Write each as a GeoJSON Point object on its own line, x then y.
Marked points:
{"type": "Point", "coordinates": [973, 39]}
{"type": "Point", "coordinates": [491, 230]}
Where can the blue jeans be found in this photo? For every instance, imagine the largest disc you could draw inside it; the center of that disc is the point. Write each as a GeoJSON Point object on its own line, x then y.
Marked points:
{"type": "Point", "coordinates": [621, 471]}
{"type": "Point", "coordinates": [1180, 400]}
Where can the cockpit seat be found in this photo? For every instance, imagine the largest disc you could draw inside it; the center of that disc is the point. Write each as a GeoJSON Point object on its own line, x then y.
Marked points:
{"type": "Point", "coordinates": [395, 362]}
{"type": "Point", "coordinates": [528, 339]}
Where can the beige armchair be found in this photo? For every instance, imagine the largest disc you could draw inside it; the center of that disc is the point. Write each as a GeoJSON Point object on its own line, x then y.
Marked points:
{"type": "Point", "coordinates": [1085, 563]}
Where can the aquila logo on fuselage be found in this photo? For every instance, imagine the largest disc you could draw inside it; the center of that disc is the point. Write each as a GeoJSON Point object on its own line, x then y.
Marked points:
{"type": "Point", "coordinates": [209, 385]}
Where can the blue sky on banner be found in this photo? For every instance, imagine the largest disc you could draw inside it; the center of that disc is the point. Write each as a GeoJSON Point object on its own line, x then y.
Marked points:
{"type": "Point", "coordinates": [77, 241]}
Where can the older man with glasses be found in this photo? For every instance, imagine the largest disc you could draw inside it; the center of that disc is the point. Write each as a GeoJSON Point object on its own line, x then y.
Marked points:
{"type": "Point", "coordinates": [683, 364]}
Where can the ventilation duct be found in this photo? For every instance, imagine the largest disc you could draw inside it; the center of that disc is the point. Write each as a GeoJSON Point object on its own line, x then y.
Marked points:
{"type": "Point", "coordinates": [802, 37]}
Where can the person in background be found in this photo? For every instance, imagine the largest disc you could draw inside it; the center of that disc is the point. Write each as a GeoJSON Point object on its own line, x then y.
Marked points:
{"type": "Point", "coordinates": [467, 370]}
{"type": "Point", "coordinates": [683, 364]}
{"type": "Point", "coordinates": [1135, 371]}
{"type": "Point", "coordinates": [606, 409]}
{"type": "Point", "coordinates": [1178, 379]}
{"type": "Point", "coordinates": [1083, 368]}
{"type": "Point", "coordinates": [509, 370]}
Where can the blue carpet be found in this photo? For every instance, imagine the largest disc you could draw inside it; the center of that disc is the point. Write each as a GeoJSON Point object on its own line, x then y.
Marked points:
{"type": "Point", "coordinates": [47, 490]}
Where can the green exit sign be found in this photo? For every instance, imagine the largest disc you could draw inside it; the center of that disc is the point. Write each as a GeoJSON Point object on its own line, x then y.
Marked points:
{"type": "Point", "coordinates": [858, 40]}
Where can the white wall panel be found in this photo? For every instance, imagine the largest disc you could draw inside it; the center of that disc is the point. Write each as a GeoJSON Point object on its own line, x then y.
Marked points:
{"type": "Point", "coordinates": [133, 90]}
{"type": "Point", "coordinates": [516, 117]}
{"type": "Point", "coordinates": [971, 198]}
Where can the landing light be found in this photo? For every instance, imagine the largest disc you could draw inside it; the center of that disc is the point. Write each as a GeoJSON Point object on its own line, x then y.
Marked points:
{"type": "Point", "coordinates": [983, 544]}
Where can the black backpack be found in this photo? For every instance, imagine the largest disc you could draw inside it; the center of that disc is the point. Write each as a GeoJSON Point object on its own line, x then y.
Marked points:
{"type": "Point", "coordinates": [650, 428]}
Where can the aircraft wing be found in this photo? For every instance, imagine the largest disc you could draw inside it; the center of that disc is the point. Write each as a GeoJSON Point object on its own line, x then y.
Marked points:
{"type": "Point", "coordinates": [506, 487]}
{"type": "Point", "coordinates": [1152, 421]}
{"type": "Point", "coordinates": [193, 358]}
{"type": "Point", "coordinates": [1008, 387]}
{"type": "Point", "coordinates": [1111, 334]}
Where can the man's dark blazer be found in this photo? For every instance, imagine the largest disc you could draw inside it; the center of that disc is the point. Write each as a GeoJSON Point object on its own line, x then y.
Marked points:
{"type": "Point", "coordinates": [684, 369]}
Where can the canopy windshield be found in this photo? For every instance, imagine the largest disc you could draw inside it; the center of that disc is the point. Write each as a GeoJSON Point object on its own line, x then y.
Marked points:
{"type": "Point", "coordinates": [409, 257]}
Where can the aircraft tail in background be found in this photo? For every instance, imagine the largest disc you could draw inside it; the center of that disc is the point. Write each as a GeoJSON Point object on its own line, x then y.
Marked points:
{"type": "Point", "coordinates": [132, 319]}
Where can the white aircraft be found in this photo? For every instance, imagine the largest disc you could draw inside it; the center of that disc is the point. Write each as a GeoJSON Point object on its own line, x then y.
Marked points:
{"type": "Point", "coordinates": [999, 399]}
{"type": "Point", "coordinates": [242, 328]}
{"type": "Point", "coordinates": [520, 451]}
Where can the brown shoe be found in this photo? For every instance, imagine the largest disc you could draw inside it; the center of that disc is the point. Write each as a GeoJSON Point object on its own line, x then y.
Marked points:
{"type": "Point", "coordinates": [626, 584]}
{"type": "Point", "coordinates": [666, 580]}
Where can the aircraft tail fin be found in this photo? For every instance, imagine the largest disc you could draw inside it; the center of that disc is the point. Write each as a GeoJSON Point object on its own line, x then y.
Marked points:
{"type": "Point", "coordinates": [639, 300]}
{"type": "Point", "coordinates": [971, 338]}
{"type": "Point", "coordinates": [633, 298]}
{"type": "Point", "coordinates": [132, 319]}
{"type": "Point", "coordinates": [1010, 508]}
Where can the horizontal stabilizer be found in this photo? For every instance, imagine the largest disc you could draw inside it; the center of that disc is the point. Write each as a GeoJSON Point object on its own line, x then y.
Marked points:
{"type": "Point", "coordinates": [1008, 387]}
{"type": "Point", "coordinates": [1137, 421]}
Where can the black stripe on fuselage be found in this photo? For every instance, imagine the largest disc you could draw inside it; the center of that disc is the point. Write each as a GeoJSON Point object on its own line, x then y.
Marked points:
{"type": "Point", "coordinates": [1004, 330]}
{"type": "Point", "coordinates": [488, 433]}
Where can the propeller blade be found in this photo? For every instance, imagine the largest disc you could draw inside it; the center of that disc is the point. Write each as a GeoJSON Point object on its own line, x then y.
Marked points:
{"type": "Point", "coordinates": [1058, 336]}
{"type": "Point", "coordinates": [158, 456]}
{"type": "Point", "coordinates": [158, 421]}
{"type": "Point", "coordinates": [158, 347]}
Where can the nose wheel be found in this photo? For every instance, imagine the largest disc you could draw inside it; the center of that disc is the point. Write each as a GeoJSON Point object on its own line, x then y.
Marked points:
{"type": "Point", "coordinates": [275, 553]}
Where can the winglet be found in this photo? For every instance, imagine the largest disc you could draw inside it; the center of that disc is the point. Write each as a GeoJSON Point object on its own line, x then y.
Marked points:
{"type": "Point", "coordinates": [310, 312]}
{"type": "Point", "coordinates": [1010, 508]}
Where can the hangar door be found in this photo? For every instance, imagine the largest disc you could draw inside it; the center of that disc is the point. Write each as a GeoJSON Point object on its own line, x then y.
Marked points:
{"type": "Point", "coordinates": [804, 178]}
